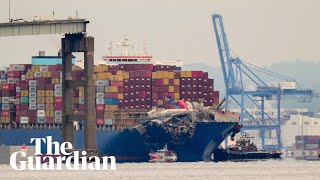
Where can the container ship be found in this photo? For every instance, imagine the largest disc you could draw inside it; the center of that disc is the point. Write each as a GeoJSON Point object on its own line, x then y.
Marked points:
{"type": "Point", "coordinates": [127, 88]}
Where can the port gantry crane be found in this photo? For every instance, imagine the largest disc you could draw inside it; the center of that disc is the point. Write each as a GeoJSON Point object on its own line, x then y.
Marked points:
{"type": "Point", "coordinates": [239, 75]}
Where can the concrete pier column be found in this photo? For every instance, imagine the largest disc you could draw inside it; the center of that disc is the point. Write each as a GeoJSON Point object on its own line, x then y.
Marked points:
{"type": "Point", "coordinates": [67, 110]}
{"type": "Point", "coordinates": [89, 96]}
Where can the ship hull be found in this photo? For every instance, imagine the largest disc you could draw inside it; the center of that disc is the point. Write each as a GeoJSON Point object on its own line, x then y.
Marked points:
{"type": "Point", "coordinates": [129, 145]}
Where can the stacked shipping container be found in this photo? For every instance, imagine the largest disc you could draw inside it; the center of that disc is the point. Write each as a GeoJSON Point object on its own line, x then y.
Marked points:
{"type": "Point", "coordinates": [32, 94]}
{"type": "Point", "coordinates": [308, 142]}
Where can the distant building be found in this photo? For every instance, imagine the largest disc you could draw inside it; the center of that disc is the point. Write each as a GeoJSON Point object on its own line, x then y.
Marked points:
{"type": "Point", "coordinates": [299, 125]}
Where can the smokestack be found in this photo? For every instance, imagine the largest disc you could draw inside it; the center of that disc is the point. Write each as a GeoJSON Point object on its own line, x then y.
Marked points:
{"type": "Point", "coordinates": [42, 53]}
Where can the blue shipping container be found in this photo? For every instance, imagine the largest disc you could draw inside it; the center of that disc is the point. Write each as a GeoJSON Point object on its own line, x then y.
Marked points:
{"type": "Point", "coordinates": [111, 101]}
{"type": "Point", "coordinates": [48, 60]}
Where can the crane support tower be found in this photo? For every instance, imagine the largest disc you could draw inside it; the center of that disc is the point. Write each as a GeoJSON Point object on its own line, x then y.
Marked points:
{"type": "Point", "coordinates": [238, 75]}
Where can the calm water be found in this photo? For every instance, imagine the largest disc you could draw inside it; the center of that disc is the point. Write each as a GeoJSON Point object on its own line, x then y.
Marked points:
{"type": "Point", "coordinates": [270, 169]}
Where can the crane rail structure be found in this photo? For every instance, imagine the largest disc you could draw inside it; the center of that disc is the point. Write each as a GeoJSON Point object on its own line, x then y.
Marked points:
{"type": "Point", "coordinates": [238, 74]}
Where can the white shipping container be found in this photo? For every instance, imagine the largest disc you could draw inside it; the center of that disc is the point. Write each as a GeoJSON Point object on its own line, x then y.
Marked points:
{"type": "Point", "coordinates": [5, 100]}
{"type": "Point", "coordinates": [32, 82]}
{"type": "Point", "coordinates": [41, 107]}
{"type": "Point", "coordinates": [32, 106]}
{"type": "Point", "coordinates": [41, 119]}
{"type": "Point", "coordinates": [312, 146]}
{"type": "Point", "coordinates": [99, 101]}
{"type": "Point", "coordinates": [108, 121]}
{"type": "Point", "coordinates": [58, 93]}
{"type": "Point", "coordinates": [99, 89]}
{"type": "Point", "coordinates": [58, 113]}
{"type": "Point", "coordinates": [5, 107]}
{"type": "Point", "coordinates": [23, 77]}
{"type": "Point", "coordinates": [10, 80]}
{"type": "Point", "coordinates": [100, 83]}
{"type": "Point", "coordinates": [3, 81]}
{"type": "Point", "coordinates": [81, 100]}
{"type": "Point", "coordinates": [58, 120]}
{"type": "Point", "coordinates": [58, 87]}
{"type": "Point", "coordinates": [37, 74]}
{"type": "Point", "coordinates": [24, 120]}
{"type": "Point", "coordinates": [32, 89]}
{"type": "Point", "coordinates": [32, 95]}
{"type": "Point", "coordinates": [43, 68]}
{"type": "Point", "coordinates": [287, 85]}
{"type": "Point", "coordinates": [99, 95]}
{"type": "Point", "coordinates": [41, 113]}
{"type": "Point", "coordinates": [18, 89]}
{"type": "Point", "coordinates": [32, 101]}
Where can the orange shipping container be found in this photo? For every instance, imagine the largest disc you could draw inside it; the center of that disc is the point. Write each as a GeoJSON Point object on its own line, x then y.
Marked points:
{"type": "Point", "coordinates": [108, 114]}
{"type": "Point", "coordinates": [176, 82]}
{"type": "Point", "coordinates": [55, 81]}
{"type": "Point", "coordinates": [41, 100]}
{"type": "Point", "coordinates": [29, 75]}
{"type": "Point", "coordinates": [49, 100]}
{"type": "Point", "coordinates": [81, 94]}
{"type": "Point", "coordinates": [49, 93]}
{"type": "Point", "coordinates": [24, 93]}
{"type": "Point", "coordinates": [5, 120]}
{"type": "Point", "coordinates": [46, 74]}
{"type": "Point", "coordinates": [171, 75]}
{"type": "Point", "coordinates": [154, 75]}
{"type": "Point", "coordinates": [49, 113]}
{"type": "Point", "coordinates": [120, 96]}
{"type": "Point", "coordinates": [171, 89]}
{"type": "Point", "coordinates": [49, 107]}
{"type": "Point", "coordinates": [165, 81]}
{"type": "Point", "coordinates": [41, 93]}
{"type": "Point", "coordinates": [176, 96]}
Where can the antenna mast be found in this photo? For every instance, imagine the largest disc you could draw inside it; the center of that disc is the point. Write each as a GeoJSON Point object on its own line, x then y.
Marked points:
{"type": "Point", "coordinates": [9, 10]}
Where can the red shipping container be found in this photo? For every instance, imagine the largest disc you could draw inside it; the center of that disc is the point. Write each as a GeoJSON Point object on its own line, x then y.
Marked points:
{"type": "Point", "coordinates": [8, 87]}
{"type": "Point", "coordinates": [32, 113]}
{"type": "Point", "coordinates": [171, 82]}
{"type": "Point", "coordinates": [24, 106]}
{"type": "Point", "coordinates": [5, 113]}
{"type": "Point", "coordinates": [99, 107]}
{"type": "Point", "coordinates": [43, 80]}
{"type": "Point", "coordinates": [24, 86]}
{"type": "Point", "coordinates": [41, 87]}
{"type": "Point", "coordinates": [176, 89]}
{"type": "Point", "coordinates": [49, 120]}
{"type": "Point", "coordinates": [100, 121]}
{"type": "Point", "coordinates": [55, 75]}
{"type": "Point", "coordinates": [58, 106]}
{"type": "Point", "coordinates": [17, 119]}
{"type": "Point", "coordinates": [142, 94]}
{"type": "Point", "coordinates": [159, 82]}
{"type": "Point", "coordinates": [99, 114]}
{"type": "Point", "coordinates": [24, 113]}
{"type": "Point", "coordinates": [18, 107]}
{"type": "Point", "coordinates": [13, 74]}
{"type": "Point", "coordinates": [58, 100]}
{"type": "Point", "coordinates": [49, 86]}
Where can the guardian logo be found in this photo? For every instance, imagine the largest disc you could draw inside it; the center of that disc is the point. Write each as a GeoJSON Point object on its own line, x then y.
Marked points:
{"type": "Point", "coordinates": [62, 155]}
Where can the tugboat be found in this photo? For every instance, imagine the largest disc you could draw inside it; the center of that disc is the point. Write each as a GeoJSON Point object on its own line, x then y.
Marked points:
{"type": "Point", "coordinates": [244, 150]}
{"type": "Point", "coordinates": [163, 155]}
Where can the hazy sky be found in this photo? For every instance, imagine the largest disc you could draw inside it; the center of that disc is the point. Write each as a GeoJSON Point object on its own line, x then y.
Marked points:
{"type": "Point", "coordinates": [261, 32]}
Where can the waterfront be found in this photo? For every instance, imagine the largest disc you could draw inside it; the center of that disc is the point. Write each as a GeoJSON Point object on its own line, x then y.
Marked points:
{"type": "Point", "coordinates": [270, 169]}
